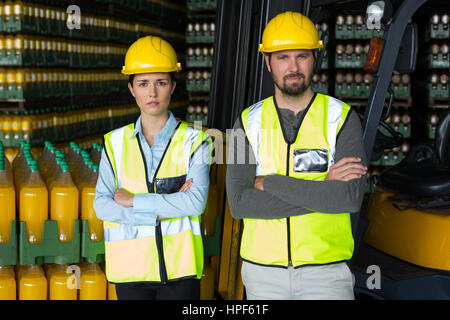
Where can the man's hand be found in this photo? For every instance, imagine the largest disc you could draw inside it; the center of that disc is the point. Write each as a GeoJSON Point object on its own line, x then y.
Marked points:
{"type": "Point", "coordinates": [259, 183]}
{"type": "Point", "coordinates": [346, 169]}
{"type": "Point", "coordinates": [184, 188]}
{"type": "Point", "coordinates": [124, 198]}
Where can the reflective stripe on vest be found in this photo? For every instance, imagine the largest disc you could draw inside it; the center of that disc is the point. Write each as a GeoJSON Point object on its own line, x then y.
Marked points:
{"type": "Point", "coordinates": [315, 238]}
{"type": "Point", "coordinates": [174, 248]}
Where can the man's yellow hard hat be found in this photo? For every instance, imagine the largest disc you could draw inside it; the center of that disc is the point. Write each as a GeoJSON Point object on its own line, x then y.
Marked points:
{"type": "Point", "coordinates": [150, 54]}
{"type": "Point", "coordinates": [290, 30]}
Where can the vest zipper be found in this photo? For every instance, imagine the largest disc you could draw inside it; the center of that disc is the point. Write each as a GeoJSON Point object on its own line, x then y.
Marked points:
{"type": "Point", "coordinates": [152, 189]}
{"type": "Point", "coordinates": [288, 219]}
{"type": "Point", "coordinates": [159, 246]}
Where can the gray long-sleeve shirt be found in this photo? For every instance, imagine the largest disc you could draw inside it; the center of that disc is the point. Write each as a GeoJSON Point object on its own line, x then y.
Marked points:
{"type": "Point", "coordinates": [287, 196]}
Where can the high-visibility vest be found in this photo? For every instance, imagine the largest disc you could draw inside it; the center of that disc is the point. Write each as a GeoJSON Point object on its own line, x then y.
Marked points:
{"type": "Point", "coordinates": [309, 239]}
{"type": "Point", "coordinates": [173, 249]}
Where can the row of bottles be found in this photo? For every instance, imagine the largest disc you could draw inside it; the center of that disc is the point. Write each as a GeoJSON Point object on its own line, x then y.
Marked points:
{"type": "Point", "coordinates": [36, 126]}
{"type": "Point", "coordinates": [201, 4]}
{"type": "Point", "coordinates": [198, 80]}
{"type": "Point", "coordinates": [85, 175]}
{"type": "Point", "coordinates": [200, 32]}
{"type": "Point", "coordinates": [353, 26]}
{"type": "Point", "coordinates": [357, 84]}
{"type": "Point", "coordinates": [351, 54]}
{"type": "Point", "coordinates": [438, 55]}
{"type": "Point", "coordinates": [45, 20]}
{"type": "Point", "coordinates": [7, 197]}
{"type": "Point", "coordinates": [26, 50]}
{"type": "Point", "coordinates": [197, 113]}
{"type": "Point", "coordinates": [437, 27]}
{"type": "Point", "coordinates": [45, 190]}
{"type": "Point", "coordinates": [43, 83]}
{"type": "Point", "coordinates": [55, 282]}
{"type": "Point", "coordinates": [200, 56]}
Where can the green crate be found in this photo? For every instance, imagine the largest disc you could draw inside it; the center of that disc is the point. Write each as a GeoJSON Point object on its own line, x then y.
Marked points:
{"type": "Point", "coordinates": [50, 250]}
{"type": "Point", "coordinates": [195, 85]}
{"type": "Point", "coordinates": [13, 91]}
{"type": "Point", "coordinates": [345, 32]}
{"type": "Point", "coordinates": [349, 61]}
{"type": "Point", "coordinates": [201, 4]}
{"type": "Point", "coordinates": [345, 90]}
{"type": "Point", "coordinates": [320, 87]}
{"type": "Point", "coordinates": [440, 62]}
{"type": "Point", "coordinates": [439, 91]}
{"type": "Point", "coordinates": [201, 62]}
{"type": "Point", "coordinates": [361, 32]}
{"type": "Point", "coordinates": [404, 130]}
{"type": "Point", "coordinates": [390, 159]}
{"type": "Point", "coordinates": [436, 33]}
{"type": "Point", "coordinates": [402, 91]}
{"type": "Point", "coordinates": [200, 37]}
{"type": "Point", "coordinates": [91, 251]}
{"type": "Point", "coordinates": [3, 89]}
{"type": "Point", "coordinates": [9, 251]}
{"type": "Point", "coordinates": [362, 90]}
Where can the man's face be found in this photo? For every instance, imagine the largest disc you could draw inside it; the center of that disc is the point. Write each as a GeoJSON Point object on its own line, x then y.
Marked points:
{"type": "Point", "coordinates": [152, 92]}
{"type": "Point", "coordinates": [291, 70]}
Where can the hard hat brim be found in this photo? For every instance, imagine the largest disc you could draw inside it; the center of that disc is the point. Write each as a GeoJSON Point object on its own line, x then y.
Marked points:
{"type": "Point", "coordinates": [150, 70]}
{"type": "Point", "coordinates": [318, 46]}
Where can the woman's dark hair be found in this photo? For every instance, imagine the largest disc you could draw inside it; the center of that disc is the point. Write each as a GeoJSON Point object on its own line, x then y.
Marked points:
{"type": "Point", "coordinates": [131, 78]}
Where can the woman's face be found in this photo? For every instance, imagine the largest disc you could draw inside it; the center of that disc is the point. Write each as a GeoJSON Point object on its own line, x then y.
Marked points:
{"type": "Point", "coordinates": [152, 92]}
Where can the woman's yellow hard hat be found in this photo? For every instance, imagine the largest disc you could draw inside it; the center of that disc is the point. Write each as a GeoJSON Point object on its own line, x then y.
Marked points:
{"type": "Point", "coordinates": [290, 30]}
{"type": "Point", "coordinates": [150, 54]}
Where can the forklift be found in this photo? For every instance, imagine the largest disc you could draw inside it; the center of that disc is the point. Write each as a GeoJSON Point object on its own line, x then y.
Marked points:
{"type": "Point", "coordinates": [402, 244]}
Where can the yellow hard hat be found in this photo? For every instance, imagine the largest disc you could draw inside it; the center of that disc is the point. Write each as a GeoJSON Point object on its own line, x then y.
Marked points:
{"type": "Point", "coordinates": [150, 54]}
{"type": "Point", "coordinates": [290, 30]}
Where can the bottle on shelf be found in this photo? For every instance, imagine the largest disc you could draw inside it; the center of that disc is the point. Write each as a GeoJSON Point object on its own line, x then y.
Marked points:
{"type": "Point", "coordinates": [33, 203]}
{"type": "Point", "coordinates": [93, 284]}
{"type": "Point", "coordinates": [32, 283]}
{"type": "Point", "coordinates": [7, 198]}
{"type": "Point", "coordinates": [7, 283]}
{"type": "Point", "coordinates": [61, 286]}
{"type": "Point", "coordinates": [63, 201]}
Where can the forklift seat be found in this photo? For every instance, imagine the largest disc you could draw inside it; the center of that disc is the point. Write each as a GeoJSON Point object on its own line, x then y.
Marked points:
{"type": "Point", "coordinates": [423, 178]}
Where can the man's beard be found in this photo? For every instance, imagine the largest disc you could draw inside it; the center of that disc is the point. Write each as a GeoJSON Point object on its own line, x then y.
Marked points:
{"type": "Point", "coordinates": [294, 89]}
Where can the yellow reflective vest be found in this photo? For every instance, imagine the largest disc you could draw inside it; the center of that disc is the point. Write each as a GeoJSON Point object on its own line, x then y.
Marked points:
{"type": "Point", "coordinates": [310, 239]}
{"type": "Point", "coordinates": [173, 249]}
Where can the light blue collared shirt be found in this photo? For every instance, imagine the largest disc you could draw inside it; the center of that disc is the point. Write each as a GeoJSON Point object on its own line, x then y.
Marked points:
{"type": "Point", "coordinates": [148, 206]}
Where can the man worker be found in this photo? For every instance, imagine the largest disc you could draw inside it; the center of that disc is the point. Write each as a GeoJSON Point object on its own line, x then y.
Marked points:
{"type": "Point", "coordinates": [153, 186]}
{"type": "Point", "coordinates": [303, 175]}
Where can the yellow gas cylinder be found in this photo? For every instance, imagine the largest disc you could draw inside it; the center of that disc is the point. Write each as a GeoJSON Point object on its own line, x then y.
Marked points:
{"type": "Point", "coordinates": [7, 283]}
{"type": "Point", "coordinates": [32, 283]}
{"type": "Point", "coordinates": [61, 287]}
{"type": "Point", "coordinates": [93, 283]}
